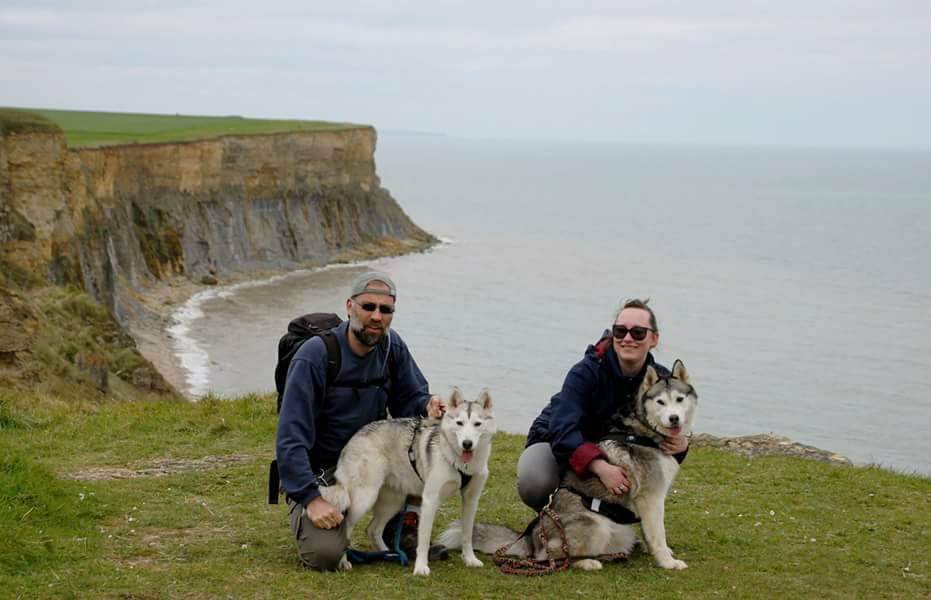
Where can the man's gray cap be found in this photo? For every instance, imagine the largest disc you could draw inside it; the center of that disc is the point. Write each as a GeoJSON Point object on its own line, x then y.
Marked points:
{"type": "Point", "coordinates": [361, 285]}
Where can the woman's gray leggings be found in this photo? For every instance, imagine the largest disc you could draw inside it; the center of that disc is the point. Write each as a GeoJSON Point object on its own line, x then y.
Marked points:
{"type": "Point", "coordinates": [537, 475]}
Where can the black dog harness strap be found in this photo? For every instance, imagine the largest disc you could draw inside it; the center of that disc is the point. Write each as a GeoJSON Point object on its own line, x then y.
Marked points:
{"type": "Point", "coordinates": [464, 478]}
{"type": "Point", "coordinates": [629, 438]}
{"type": "Point", "coordinates": [617, 513]}
{"type": "Point", "coordinates": [411, 454]}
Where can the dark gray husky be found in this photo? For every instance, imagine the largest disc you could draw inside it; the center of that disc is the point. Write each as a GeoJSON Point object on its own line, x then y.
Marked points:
{"type": "Point", "coordinates": [665, 406]}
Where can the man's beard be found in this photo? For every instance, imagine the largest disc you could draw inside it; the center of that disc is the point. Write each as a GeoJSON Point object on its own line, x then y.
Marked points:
{"type": "Point", "coordinates": [369, 339]}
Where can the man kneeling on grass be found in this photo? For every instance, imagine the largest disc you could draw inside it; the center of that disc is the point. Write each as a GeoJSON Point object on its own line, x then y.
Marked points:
{"type": "Point", "coordinates": [317, 418]}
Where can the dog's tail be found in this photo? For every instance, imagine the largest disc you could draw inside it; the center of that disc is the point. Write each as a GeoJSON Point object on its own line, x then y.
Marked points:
{"type": "Point", "coordinates": [486, 538]}
{"type": "Point", "coordinates": [337, 495]}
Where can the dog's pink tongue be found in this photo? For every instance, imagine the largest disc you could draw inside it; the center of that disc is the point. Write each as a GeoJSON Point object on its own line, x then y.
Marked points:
{"type": "Point", "coordinates": [675, 430]}
{"type": "Point", "coordinates": [466, 456]}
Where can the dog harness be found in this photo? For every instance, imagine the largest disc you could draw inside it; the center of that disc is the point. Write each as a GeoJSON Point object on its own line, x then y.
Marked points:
{"type": "Point", "coordinates": [464, 478]}
{"type": "Point", "coordinates": [615, 512]}
{"type": "Point", "coordinates": [629, 438]}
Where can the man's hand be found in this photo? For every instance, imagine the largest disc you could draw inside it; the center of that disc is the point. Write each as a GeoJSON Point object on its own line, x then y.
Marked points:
{"type": "Point", "coordinates": [435, 407]}
{"type": "Point", "coordinates": [612, 476]}
{"type": "Point", "coordinates": [675, 444]}
{"type": "Point", "coordinates": [323, 514]}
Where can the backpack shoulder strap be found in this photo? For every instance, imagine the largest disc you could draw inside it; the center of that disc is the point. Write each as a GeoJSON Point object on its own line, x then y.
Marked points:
{"type": "Point", "coordinates": [601, 347]}
{"type": "Point", "coordinates": [392, 363]}
{"type": "Point", "coordinates": [334, 355]}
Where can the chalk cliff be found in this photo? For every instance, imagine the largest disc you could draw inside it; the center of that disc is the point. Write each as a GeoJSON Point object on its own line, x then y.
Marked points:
{"type": "Point", "coordinates": [116, 219]}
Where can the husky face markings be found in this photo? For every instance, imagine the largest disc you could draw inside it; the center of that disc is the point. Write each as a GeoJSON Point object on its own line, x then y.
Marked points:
{"type": "Point", "coordinates": [375, 472]}
{"type": "Point", "coordinates": [466, 423]}
{"type": "Point", "coordinates": [665, 406]}
{"type": "Point", "coordinates": [668, 403]}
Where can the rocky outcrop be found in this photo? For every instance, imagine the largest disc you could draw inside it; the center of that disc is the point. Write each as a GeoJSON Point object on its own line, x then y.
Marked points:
{"type": "Point", "coordinates": [768, 444]}
{"type": "Point", "coordinates": [114, 220]}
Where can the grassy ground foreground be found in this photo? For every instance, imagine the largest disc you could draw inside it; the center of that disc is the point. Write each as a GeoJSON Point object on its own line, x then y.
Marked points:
{"type": "Point", "coordinates": [763, 527]}
{"type": "Point", "coordinates": [93, 129]}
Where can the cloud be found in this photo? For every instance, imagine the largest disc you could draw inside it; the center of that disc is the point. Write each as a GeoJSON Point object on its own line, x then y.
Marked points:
{"type": "Point", "coordinates": [589, 69]}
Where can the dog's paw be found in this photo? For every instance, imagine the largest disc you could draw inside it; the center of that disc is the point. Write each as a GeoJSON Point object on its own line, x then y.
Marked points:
{"type": "Point", "coordinates": [421, 569]}
{"type": "Point", "coordinates": [344, 564]}
{"type": "Point", "coordinates": [588, 564]}
{"type": "Point", "coordinates": [472, 561]}
{"type": "Point", "coordinates": [674, 563]}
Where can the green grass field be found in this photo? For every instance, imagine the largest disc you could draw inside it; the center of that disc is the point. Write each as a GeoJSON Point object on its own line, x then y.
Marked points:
{"type": "Point", "coordinates": [748, 528]}
{"type": "Point", "coordinates": [92, 129]}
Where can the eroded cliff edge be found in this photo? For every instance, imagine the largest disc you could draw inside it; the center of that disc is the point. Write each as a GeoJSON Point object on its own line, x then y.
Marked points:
{"type": "Point", "coordinates": [118, 220]}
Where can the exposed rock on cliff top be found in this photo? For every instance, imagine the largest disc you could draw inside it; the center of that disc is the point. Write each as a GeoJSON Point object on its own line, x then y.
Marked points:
{"type": "Point", "coordinates": [764, 444]}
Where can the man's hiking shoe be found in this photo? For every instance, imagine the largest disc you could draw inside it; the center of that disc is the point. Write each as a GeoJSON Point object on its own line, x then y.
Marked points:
{"type": "Point", "coordinates": [408, 542]}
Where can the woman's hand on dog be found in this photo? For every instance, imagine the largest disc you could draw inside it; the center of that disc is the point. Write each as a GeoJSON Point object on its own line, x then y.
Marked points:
{"type": "Point", "coordinates": [612, 477]}
{"type": "Point", "coordinates": [323, 514]}
{"type": "Point", "coordinates": [675, 444]}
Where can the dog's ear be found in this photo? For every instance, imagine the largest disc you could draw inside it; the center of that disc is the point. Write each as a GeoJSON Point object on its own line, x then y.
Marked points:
{"type": "Point", "coordinates": [455, 399]}
{"type": "Point", "coordinates": [650, 379]}
{"type": "Point", "coordinates": [485, 399]}
{"type": "Point", "coordinates": [679, 372]}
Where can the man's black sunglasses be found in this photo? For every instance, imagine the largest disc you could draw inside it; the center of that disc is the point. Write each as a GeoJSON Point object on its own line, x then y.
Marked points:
{"type": "Point", "coordinates": [382, 308]}
{"type": "Point", "coordinates": [638, 333]}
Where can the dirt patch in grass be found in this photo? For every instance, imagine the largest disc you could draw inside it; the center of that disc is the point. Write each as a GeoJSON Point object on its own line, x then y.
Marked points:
{"type": "Point", "coordinates": [158, 467]}
{"type": "Point", "coordinates": [750, 445]}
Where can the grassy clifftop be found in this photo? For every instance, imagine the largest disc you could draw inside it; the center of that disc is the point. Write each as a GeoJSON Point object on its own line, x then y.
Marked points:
{"type": "Point", "coordinates": [84, 129]}
{"type": "Point", "coordinates": [163, 499]}
{"type": "Point", "coordinates": [20, 122]}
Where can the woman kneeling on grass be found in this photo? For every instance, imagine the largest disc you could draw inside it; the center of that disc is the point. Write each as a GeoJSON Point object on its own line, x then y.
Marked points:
{"type": "Point", "coordinates": [603, 384]}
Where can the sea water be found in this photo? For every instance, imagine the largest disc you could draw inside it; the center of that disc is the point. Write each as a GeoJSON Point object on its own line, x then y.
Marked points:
{"type": "Point", "coordinates": [793, 283]}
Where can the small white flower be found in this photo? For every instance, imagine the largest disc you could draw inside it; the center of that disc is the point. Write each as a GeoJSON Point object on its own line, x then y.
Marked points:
{"type": "Point", "coordinates": [757, 524]}
{"type": "Point", "coordinates": [772, 513]}
{"type": "Point", "coordinates": [131, 519]}
{"type": "Point", "coordinates": [244, 546]}
{"type": "Point", "coordinates": [813, 540]}
{"type": "Point", "coordinates": [81, 496]}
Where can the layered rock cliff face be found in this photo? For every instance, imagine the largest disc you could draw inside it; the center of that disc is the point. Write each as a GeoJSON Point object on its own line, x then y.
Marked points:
{"type": "Point", "coordinates": [114, 220]}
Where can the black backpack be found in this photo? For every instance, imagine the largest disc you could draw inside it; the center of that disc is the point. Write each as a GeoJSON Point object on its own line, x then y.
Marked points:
{"type": "Point", "coordinates": [300, 330]}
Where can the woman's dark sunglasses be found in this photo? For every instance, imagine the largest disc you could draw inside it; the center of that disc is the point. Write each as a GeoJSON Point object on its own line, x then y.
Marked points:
{"type": "Point", "coordinates": [638, 333]}
{"type": "Point", "coordinates": [382, 308]}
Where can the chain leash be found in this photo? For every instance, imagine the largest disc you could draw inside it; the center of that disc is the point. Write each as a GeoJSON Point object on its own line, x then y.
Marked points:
{"type": "Point", "coordinates": [530, 566]}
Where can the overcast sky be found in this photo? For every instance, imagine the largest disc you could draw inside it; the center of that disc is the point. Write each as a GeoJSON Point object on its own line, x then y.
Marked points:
{"type": "Point", "coordinates": [790, 72]}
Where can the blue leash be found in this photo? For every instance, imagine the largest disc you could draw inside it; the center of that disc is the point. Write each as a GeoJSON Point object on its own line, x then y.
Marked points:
{"type": "Point", "coordinates": [359, 557]}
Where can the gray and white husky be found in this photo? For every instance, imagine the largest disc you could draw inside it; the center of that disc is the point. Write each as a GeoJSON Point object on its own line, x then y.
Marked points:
{"type": "Point", "coordinates": [386, 461]}
{"type": "Point", "coordinates": [665, 407]}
